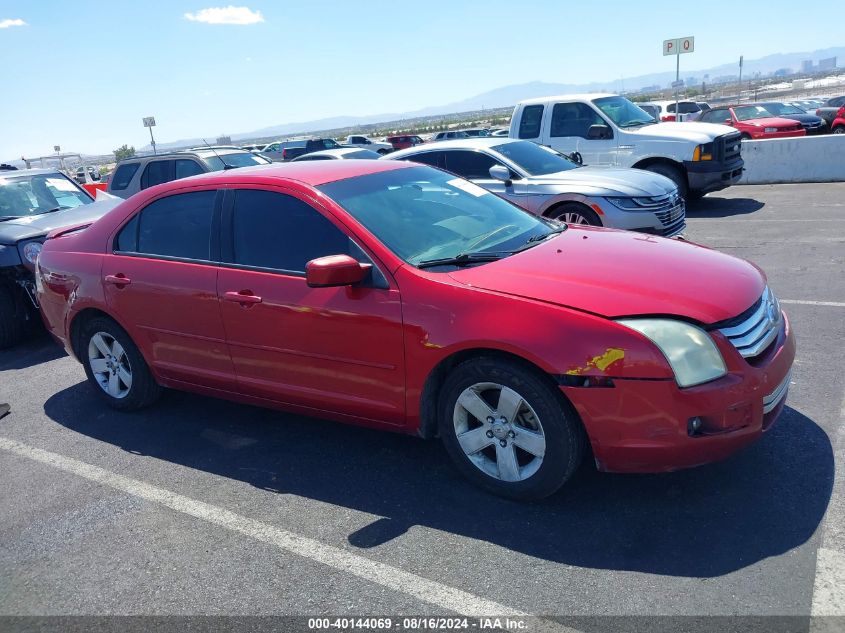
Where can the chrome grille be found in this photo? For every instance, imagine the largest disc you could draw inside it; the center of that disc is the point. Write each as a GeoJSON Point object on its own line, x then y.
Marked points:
{"type": "Point", "coordinates": [773, 399]}
{"type": "Point", "coordinates": [754, 334]}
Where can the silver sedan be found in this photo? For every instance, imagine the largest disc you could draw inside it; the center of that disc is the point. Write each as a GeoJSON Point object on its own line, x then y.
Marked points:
{"type": "Point", "coordinates": [544, 182]}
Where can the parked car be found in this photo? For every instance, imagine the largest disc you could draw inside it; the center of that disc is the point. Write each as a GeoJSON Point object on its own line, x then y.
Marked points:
{"type": "Point", "coordinates": [476, 132]}
{"type": "Point", "coordinates": [811, 123]}
{"type": "Point", "coordinates": [500, 132]}
{"type": "Point", "coordinates": [831, 109]}
{"type": "Point", "coordinates": [344, 153]}
{"type": "Point", "coordinates": [609, 130]}
{"type": "Point", "coordinates": [255, 148]}
{"type": "Point", "coordinates": [449, 135]}
{"type": "Point", "coordinates": [403, 141]}
{"type": "Point", "coordinates": [838, 125]}
{"type": "Point", "coordinates": [136, 174]}
{"type": "Point", "coordinates": [288, 150]}
{"type": "Point", "coordinates": [32, 203]}
{"type": "Point", "coordinates": [411, 300]}
{"type": "Point", "coordinates": [754, 122]}
{"type": "Point", "coordinates": [544, 182]}
{"type": "Point", "coordinates": [665, 110]}
{"type": "Point", "coordinates": [362, 142]}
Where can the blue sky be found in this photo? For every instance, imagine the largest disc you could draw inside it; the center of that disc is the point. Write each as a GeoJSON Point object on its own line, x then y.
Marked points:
{"type": "Point", "coordinates": [92, 70]}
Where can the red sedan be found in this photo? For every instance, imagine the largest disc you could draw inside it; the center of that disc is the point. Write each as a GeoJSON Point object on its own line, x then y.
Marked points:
{"type": "Point", "coordinates": [393, 295]}
{"type": "Point", "coordinates": [754, 122]}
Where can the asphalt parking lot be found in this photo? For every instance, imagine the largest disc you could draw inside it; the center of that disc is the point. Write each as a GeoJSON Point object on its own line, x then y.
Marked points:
{"type": "Point", "coordinates": [200, 506]}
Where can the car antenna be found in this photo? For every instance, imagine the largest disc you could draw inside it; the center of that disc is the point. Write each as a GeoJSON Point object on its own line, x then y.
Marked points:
{"type": "Point", "coordinates": [225, 164]}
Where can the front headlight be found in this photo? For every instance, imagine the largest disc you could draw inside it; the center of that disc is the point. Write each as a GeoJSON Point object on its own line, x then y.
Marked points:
{"type": "Point", "coordinates": [31, 252]}
{"type": "Point", "coordinates": [703, 152]}
{"type": "Point", "coordinates": [691, 352]}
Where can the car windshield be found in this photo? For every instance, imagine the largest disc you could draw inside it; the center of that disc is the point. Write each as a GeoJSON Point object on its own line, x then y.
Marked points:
{"type": "Point", "coordinates": [783, 108]}
{"type": "Point", "coordinates": [422, 213]}
{"type": "Point", "coordinates": [36, 194]}
{"type": "Point", "coordinates": [534, 159]}
{"type": "Point", "coordinates": [744, 113]}
{"type": "Point", "coordinates": [234, 159]}
{"type": "Point", "coordinates": [622, 112]}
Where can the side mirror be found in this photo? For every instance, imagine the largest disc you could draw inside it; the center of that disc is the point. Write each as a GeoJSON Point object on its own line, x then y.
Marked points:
{"type": "Point", "coordinates": [729, 122]}
{"type": "Point", "coordinates": [334, 270]}
{"type": "Point", "coordinates": [599, 132]}
{"type": "Point", "coordinates": [500, 172]}
{"type": "Point", "coordinates": [576, 157]}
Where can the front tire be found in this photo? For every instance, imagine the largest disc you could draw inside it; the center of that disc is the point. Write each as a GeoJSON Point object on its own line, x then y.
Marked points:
{"type": "Point", "coordinates": [574, 213]}
{"type": "Point", "coordinates": [508, 430]}
{"type": "Point", "coordinates": [675, 174]}
{"type": "Point", "coordinates": [115, 367]}
{"type": "Point", "coordinates": [839, 129]}
{"type": "Point", "coordinates": [14, 316]}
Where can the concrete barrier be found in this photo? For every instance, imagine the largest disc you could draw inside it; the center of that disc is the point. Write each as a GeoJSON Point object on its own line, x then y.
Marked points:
{"type": "Point", "coordinates": [804, 159]}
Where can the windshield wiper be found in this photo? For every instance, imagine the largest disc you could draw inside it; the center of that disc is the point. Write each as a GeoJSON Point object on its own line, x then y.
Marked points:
{"type": "Point", "coordinates": [541, 237]}
{"type": "Point", "coordinates": [53, 210]}
{"type": "Point", "coordinates": [6, 218]}
{"type": "Point", "coordinates": [464, 259]}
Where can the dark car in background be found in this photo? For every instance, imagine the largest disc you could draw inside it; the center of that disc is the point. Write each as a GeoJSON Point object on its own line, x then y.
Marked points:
{"type": "Point", "coordinates": [139, 172]}
{"type": "Point", "coordinates": [284, 151]}
{"type": "Point", "coordinates": [811, 123]}
{"type": "Point", "coordinates": [33, 202]}
{"type": "Point", "coordinates": [404, 141]}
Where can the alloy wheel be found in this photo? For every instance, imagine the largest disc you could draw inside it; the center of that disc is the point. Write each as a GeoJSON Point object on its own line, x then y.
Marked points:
{"type": "Point", "coordinates": [110, 365]}
{"type": "Point", "coordinates": [499, 432]}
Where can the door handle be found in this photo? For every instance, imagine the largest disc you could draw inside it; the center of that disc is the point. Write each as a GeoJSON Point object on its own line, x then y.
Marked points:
{"type": "Point", "coordinates": [244, 296]}
{"type": "Point", "coordinates": [118, 280]}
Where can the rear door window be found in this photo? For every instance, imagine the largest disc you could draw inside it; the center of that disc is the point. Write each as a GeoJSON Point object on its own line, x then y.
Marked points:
{"type": "Point", "coordinates": [469, 165]}
{"type": "Point", "coordinates": [157, 172]}
{"type": "Point", "coordinates": [123, 176]}
{"type": "Point", "coordinates": [175, 226]}
{"type": "Point", "coordinates": [531, 121]}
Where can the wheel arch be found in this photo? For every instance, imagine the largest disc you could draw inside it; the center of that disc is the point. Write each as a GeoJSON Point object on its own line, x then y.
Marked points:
{"type": "Point", "coordinates": [430, 394]}
{"type": "Point", "coordinates": [645, 163]}
{"type": "Point", "coordinates": [78, 322]}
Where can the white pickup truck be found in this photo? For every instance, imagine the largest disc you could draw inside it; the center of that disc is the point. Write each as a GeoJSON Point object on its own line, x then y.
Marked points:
{"type": "Point", "coordinates": [362, 142]}
{"type": "Point", "coordinates": [606, 129]}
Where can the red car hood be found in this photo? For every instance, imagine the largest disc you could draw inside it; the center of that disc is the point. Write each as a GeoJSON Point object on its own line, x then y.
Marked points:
{"type": "Point", "coordinates": [619, 273]}
{"type": "Point", "coordinates": [771, 121]}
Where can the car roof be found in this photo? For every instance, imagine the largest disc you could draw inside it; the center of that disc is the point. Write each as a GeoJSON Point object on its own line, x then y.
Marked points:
{"type": "Point", "coordinates": [337, 151]}
{"type": "Point", "coordinates": [310, 172]}
{"type": "Point", "coordinates": [471, 143]}
{"type": "Point", "coordinates": [587, 96]}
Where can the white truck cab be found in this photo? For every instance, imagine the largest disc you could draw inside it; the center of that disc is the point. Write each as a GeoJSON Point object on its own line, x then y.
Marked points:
{"type": "Point", "coordinates": [606, 129]}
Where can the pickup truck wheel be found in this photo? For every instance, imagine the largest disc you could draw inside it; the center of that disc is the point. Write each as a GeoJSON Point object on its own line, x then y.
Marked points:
{"type": "Point", "coordinates": [382, 151]}
{"type": "Point", "coordinates": [675, 174]}
{"type": "Point", "coordinates": [13, 316]}
{"type": "Point", "coordinates": [507, 429]}
{"type": "Point", "coordinates": [839, 129]}
{"type": "Point", "coordinates": [574, 213]}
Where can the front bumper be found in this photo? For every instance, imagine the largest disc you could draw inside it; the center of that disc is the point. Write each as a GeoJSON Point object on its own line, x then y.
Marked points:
{"type": "Point", "coordinates": [666, 220]}
{"type": "Point", "coordinates": [706, 176]}
{"type": "Point", "coordinates": [640, 426]}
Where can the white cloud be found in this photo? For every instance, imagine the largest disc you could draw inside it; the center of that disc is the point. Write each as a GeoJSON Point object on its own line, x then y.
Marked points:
{"type": "Point", "coordinates": [5, 24]}
{"type": "Point", "coordinates": [226, 15]}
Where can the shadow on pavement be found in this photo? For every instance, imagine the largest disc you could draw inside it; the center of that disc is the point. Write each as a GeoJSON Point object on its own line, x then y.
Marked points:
{"type": "Point", "coordinates": [701, 523]}
{"type": "Point", "coordinates": [36, 349]}
{"type": "Point", "coordinates": [712, 207]}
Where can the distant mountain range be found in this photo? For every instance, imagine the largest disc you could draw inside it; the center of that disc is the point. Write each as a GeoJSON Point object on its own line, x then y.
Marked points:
{"type": "Point", "coordinates": [509, 95]}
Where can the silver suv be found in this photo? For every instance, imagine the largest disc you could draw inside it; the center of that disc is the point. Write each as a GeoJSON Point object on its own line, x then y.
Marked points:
{"type": "Point", "coordinates": [137, 173]}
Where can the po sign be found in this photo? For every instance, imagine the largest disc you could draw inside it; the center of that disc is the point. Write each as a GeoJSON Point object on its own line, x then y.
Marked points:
{"type": "Point", "coordinates": [679, 46]}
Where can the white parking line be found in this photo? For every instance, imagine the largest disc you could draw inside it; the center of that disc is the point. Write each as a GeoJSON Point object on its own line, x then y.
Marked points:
{"type": "Point", "coordinates": [428, 591]}
{"type": "Point", "coordinates": [829, 584]}
{"type": "Point", "coordinates": [802, 302]}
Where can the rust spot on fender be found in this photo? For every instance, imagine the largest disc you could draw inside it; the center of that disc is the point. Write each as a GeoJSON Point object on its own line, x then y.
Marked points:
{"type": "Point", "coordinates": [600, 362]}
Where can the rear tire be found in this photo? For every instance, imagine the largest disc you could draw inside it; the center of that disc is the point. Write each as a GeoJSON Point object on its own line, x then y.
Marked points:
{"type": "Point", "coordinates": [115, 367]}
{"type": "Point", "coordinates": [574, 213]}
{"type": "Point", "coordinates": [745, 137]}
{"type": "Point", "coordinates": [532, 446]}
{"type": "Point", "coordinates": [675, 174]}
{"type": "Point", "coordinates": [14, 315]}
{"type": "Point", "coordinates": [383, 151]}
